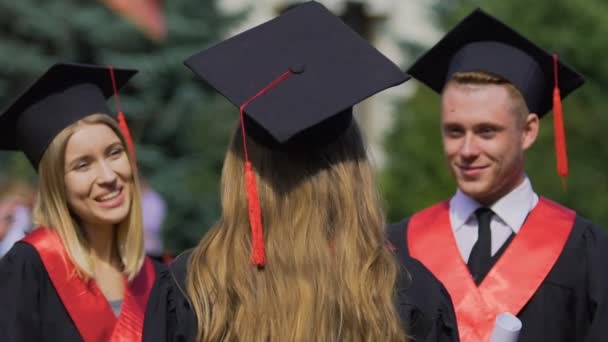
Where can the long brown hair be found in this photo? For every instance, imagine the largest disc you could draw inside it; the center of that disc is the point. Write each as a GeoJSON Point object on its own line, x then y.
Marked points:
{"type": "Point", "coordinates": [328, 275]}
{"type": "Point", "coordinates": [52, 211]}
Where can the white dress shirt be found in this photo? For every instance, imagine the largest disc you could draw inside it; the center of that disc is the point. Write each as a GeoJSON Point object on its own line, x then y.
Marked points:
{"type": "Point", "coordinates": [510, 212]}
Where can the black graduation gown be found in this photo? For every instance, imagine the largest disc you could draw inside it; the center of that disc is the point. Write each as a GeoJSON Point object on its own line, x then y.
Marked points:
{"type": "Point", "coordinates": [423, 304]}
{"type": "Point", "coordinates": [31, 310]}
{"type": "Point", "coordinates": [182, 320]}
{"type": "Point", "coordinates": [572, 302]}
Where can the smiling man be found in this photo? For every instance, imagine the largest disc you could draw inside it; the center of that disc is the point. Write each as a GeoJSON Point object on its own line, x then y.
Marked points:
{"type": "Point", "coordinates": [496, 245]}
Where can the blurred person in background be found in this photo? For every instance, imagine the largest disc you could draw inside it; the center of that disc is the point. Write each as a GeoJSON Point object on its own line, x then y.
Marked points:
{"type": "Point", "coordinates": [16, 203]}
{"type": "Point", "coordinates": [82, 273]}
{"type": "Point", "coordinates": [154, 210]}
{"type": "Point", "coordinates": [6, 217]}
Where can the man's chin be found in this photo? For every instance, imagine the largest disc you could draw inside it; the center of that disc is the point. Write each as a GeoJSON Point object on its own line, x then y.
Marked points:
{"type": "Point", "coordinates": [474, 189]}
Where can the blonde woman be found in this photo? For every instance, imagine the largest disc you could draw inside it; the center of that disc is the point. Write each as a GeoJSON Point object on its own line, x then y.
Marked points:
{"type": "Point", "coordinates": [299, 252]}
{"type": "Point", "coordinates": [81, 275]}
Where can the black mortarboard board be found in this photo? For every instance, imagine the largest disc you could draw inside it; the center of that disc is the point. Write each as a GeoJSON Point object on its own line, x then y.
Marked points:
{"type": "Point", "coordinates": [333, 69]}
{"type": "Point", "coordinates": [65, 94]}
{"type": "Point", "coordinates": [480, 42]}
{"type": "Point", "coordinates": [297, 76]}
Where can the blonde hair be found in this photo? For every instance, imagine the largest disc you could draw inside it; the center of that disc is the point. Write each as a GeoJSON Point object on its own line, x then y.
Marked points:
{"type": "Point", "coordinates": [52, 211]}
{"type": "Point", "coordinates": [328, 277]}
{"type": "Point", "coordinates": [519, 105]}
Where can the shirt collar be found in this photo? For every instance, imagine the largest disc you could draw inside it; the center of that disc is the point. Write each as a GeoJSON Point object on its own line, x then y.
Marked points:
{"type": "Point", "coordinates": [461, 208]}
{"type": "Point", "coordinates": [516, 205]}
{"type": "Point", "coordinates": [512, 208]}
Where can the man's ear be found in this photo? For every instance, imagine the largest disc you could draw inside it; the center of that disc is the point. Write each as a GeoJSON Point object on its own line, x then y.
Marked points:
{"type": "Point", "coordinates": [530, 130]}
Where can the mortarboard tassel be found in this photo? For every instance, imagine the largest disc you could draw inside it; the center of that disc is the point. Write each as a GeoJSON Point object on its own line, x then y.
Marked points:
{"type": "Point", "coordinates": [258, 254]}
{"type": "Point", "coordinates": [125, 131]}
{"type": "Point", "coordinates": [558, 129]}
{"type": "Point", "coordinates": [258, 251]}
{"type": "Point", "coordinates": [122, 122]}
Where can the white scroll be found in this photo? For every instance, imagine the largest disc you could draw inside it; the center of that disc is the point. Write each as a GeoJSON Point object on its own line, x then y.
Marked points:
{"type": "Point", "coordinates": [506, 328]}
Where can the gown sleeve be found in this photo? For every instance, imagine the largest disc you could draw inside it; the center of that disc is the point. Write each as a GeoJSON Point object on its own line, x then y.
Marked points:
{"type": "Point", "coordinates": [597, 254]}
{"type": "Point", "coordinates": [158, 309]}
{"type": "Point", "coordinates": [21, 272]}
{"type": "Point", "coordinates": [182, 325]}
{"type": "Point", "coordinates": [424, 304]}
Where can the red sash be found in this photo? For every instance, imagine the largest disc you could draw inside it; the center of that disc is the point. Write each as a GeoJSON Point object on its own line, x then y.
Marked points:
{"type": "Point", "coordinates": [511, 282]}
{"type": "Point", "coordinates": [84, 302]}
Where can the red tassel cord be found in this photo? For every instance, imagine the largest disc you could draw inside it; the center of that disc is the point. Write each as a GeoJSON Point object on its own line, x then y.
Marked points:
{"type": "Point", "coordinates": [561, 154]}
{"type": "Point", "coordinates": [258, 250]}
{"type": "Point", "coordinates": [258, 253]}
{"type": "Point", "coordinates": [125, 131]}
{"type": "Point", "coordinates": [122, 122]}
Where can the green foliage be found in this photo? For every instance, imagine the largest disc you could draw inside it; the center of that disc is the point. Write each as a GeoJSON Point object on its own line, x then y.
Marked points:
{"type": "Point", "coordinates": [417, 174]}
{"type": "Point", "coordinates": [181, 128]}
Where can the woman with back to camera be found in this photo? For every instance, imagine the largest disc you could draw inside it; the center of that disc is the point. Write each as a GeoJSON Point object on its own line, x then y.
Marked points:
{"type": "Point", "coordinates": [299, 252]}
{"type": "Point", "coordinates": [81, 275]}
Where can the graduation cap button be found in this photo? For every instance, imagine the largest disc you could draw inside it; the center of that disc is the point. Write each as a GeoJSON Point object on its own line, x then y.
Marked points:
{"type": "Point", "coordinates": [298, 68]}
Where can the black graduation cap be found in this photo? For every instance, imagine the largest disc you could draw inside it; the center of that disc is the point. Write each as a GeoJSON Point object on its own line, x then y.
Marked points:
{"type": "Point", "coordinates": [480, 42]}
{"type": "Point", "coordinates": [332, 69]}
{"type": "Point", "coordinates": [297, 77]}
{"type": "Point", "coordinates": [65, 94]}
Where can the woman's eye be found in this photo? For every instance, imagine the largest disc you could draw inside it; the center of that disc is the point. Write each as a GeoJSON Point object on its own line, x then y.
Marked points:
{"type": "Point", "coordinates": [81, 166]}
{"type": "Point", "coordinates": [116, 151]}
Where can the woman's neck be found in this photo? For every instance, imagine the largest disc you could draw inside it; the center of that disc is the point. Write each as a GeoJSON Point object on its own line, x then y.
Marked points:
{"type": "Point", "coordinates": [101, 239]}
{"type": "Point", "coordinates": [107, 266]}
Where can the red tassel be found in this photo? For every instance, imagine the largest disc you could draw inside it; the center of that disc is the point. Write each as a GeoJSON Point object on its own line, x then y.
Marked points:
{"type": "Point", "coordinates": [122, 122]}
{"type": "Point", "coordinates": [125, 131]}
{"type": "Point", "coordinates": [258, 254]}
{"type": "Point", "coordinates": [558, 129]}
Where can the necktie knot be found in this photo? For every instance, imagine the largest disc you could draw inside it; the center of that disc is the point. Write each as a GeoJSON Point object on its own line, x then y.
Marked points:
{"type": "Point", "coordinates": [484, 217]}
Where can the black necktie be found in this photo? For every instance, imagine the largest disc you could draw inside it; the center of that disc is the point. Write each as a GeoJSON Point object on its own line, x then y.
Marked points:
{"type": "Point", "coordinates": [480, 260]}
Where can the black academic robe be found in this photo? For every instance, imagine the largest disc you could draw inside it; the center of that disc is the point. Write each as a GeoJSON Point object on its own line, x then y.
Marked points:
{"type": "Point", "coordinates": [423, 304]}
{"type": "Point", "coordinates": [31, 309]}
{"type": "Point", "coordinates": [571, 303]}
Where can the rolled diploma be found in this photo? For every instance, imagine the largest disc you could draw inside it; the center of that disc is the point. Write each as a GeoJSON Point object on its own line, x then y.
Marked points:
{"type": "Point", "coordinates": [506, 328]}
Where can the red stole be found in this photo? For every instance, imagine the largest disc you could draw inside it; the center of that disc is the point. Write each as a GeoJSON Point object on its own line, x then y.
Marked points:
{"type": "Point", "coordinates": [84, 302]}
{"type": "Point", "coordinates": [510, 283]}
